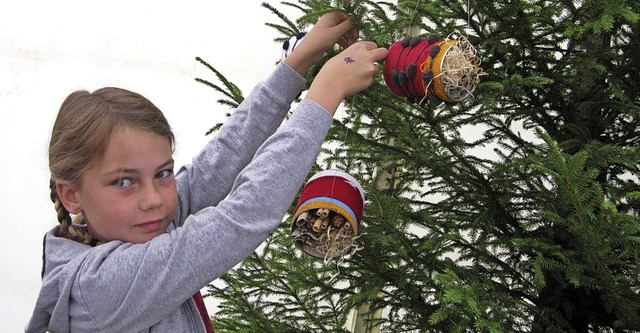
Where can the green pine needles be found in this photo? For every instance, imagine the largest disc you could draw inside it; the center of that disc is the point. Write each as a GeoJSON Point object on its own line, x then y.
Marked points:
{"type": "Point", "coordinates": [514, 211]}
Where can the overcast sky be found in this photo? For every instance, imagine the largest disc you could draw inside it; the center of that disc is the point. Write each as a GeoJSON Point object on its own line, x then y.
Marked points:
{"type": "Point", "coordinates": [51, 48]}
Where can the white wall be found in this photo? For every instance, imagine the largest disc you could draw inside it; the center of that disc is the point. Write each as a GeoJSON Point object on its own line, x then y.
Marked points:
{"type": "Point", "coordinates": [50, 48]}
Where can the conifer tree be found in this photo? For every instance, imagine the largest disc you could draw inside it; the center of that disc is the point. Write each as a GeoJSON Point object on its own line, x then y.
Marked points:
{"type": "Point", "coordinates": [514, 211]}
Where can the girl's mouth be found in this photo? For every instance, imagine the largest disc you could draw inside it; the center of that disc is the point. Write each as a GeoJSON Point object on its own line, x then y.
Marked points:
{"type": "Point", "coordinates": [150, 226]}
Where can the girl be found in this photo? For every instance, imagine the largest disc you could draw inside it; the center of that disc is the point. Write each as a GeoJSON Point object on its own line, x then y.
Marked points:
{"type": "Point", "coordinates": [136, 242]}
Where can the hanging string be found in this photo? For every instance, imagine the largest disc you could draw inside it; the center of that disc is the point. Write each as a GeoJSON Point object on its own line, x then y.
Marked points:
{"type": "Point", "coordinates": [468, 15]}
{"type": "Point", "coordinates": [344, 140]}
{"type": "Point", "coordinates": [415, 14]}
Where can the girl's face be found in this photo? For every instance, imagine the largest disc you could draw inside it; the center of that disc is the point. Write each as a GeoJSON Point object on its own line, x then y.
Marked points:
{"type": "Point", "coordinates": [130, 194]}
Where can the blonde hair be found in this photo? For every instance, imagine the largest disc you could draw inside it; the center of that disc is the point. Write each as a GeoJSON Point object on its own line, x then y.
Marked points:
{"type": "Point", "coordinates": [79, 137]}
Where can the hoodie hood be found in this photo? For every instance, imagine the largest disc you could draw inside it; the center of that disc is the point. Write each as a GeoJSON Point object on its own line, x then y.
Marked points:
{"type": "Point", "coordinates": [52, 307]}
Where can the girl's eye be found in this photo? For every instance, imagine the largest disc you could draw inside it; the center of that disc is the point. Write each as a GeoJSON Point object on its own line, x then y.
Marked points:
{"type": "Point", "coordinates": [164, 174]}
{"type": "Point", "coordinates": [122, 183]}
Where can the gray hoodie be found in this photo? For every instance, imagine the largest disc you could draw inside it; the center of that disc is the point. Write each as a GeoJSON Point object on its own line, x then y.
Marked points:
{"type": "Point", "coordinates": [231, 197]}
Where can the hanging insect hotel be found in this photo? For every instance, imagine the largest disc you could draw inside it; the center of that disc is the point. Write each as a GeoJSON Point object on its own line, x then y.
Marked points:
{"type": "Point", "coordinates": [326, 220]}
{"type": "Point", "coordinates": [432, 69]}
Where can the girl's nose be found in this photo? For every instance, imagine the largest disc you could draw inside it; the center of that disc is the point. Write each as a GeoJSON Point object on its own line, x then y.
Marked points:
{"type": "Point", "coordinates": [150, 197]}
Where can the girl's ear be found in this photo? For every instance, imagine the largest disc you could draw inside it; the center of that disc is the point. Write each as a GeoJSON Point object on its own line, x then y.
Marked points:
{"type": "Point", "coordinates": [68, 196]}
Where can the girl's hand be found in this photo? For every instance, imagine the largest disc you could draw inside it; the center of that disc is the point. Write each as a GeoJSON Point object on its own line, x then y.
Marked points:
{"type": "Point", "coordinates": [347, 73]}
{"type": "Point", "coordinates": [331, 28]}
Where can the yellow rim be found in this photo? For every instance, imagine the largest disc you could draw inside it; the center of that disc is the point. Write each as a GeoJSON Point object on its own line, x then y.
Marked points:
{"type": "Point", "coordinates": [435, 65]}
{"type": "Point", "coordinates": [330, 206]}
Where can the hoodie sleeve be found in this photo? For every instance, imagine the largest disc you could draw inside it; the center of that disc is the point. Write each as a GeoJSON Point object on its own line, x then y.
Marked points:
{"type": "Point", "coordinates": [210, 176]}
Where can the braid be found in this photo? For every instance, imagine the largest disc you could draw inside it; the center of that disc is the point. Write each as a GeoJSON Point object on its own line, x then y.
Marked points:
{"type": "Point", "coordinates": [79, 232]}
